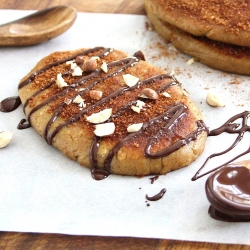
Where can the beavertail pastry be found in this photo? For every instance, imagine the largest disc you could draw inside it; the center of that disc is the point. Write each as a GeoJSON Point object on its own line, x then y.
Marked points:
{"type": "Point", "coordinates": [113, 113]}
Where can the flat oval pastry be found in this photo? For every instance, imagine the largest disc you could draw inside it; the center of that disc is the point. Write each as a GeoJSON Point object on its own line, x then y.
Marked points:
{"type": "Point", "coordinates": [113, 113]}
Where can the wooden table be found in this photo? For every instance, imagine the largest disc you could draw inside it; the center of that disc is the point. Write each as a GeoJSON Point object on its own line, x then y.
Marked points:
{"type": "Point", "coordinates": [14, 241]}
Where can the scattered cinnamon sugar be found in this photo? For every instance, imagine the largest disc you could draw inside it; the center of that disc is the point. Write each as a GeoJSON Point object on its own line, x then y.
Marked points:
{"type": "Point", "coordinates": [148, 26]}
{"type": "Point", "coordinates": [236, 80]}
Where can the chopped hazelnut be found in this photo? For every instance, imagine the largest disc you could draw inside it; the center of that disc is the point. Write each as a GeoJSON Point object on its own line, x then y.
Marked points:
{"type": "Point", "coordinates": [95, 94]}
{"type": "Point", "coordinates": [190, 61]}
{"type": "Point", "coordinates": [104, 67]}
{"type": "Point", "coordinates": [67, 100]}
{"type": "Point", "coordinates": [149, 93]}
{"type": "Point", "coordinates": [60, 81]}
{"type": "Point", "coordinates": [166, 94]}
{"type": "Point", "coordinates": [134, 127]}
{"type": "Point", "coordinates": [140, 104]}
{"type": "Point", "coordinates": [77, 71]}
{"type": "Point", "coordinates": [5, 138]}
{"type": "Point", "coordinates": [214, 100]}
{"type": "Point", "coordinates": [104, 129]}
{"type": "Point", "coordinates": [99, 117]}
{"type": "Point", "coordinates": [89, 65]}
{"type": "Point", "coordinates": [80, 60]}
{"type": "Point", "coordinates": [130, 80]}
{"type": "Point", "coordinates": [79, 101]}
{"type": "Point", "coordinates": [136, 109]}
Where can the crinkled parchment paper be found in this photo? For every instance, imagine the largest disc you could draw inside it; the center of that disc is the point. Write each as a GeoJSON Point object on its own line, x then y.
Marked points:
{"type": "Point", "coordinates": [43, 191]}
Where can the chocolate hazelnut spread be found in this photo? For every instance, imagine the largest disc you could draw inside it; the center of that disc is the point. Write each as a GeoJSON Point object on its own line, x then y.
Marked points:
{"type": "Point", "coordinates": [228, 191]}
{"type": "Point", "coordinates": [228, 188]}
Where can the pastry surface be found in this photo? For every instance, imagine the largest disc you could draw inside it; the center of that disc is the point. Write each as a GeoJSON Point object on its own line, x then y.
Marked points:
{"type": "Point", "coordinates": [220, 20]}
{"type": "Point", "coordinates": [217, 55]}
{"type": "Point", "coordinates": [66, 108]}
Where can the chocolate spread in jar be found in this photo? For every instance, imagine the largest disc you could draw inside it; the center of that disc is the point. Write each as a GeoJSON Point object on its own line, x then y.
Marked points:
{"type": "Point", "coordinates": [228, 191]}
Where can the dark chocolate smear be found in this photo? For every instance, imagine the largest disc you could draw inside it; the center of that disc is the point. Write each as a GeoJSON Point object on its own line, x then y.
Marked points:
{"type": "Point", "coordinates": [228, 191]}
{"type": "Point", "coordinates": [157, 196]}
{"type": "Point", "coordinates": [23, 124]}
{"type": "Point", "coordinates": [99, 174]}
{"type": "Point", "coordinates": [10, 104]}
{"type": "Point", "coordinates": [153, 179]}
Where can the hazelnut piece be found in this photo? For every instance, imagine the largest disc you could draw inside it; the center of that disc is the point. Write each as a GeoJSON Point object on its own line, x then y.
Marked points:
{"type": "Point", "coordinates": [100, 117]}
{"type": "Point", "coordinates": [104, 129]}
{"type": "Point", "coordinates": [149, 93]}
{"type": "Point", "coordinates": [5, 138]}
{"type": "Point", "coordinates": [95, 94]}
{"type": "Point", "coordinates": [89, 65]}
{"type": "Point", "coordinates": [80, 60]}
{"type": "Point", "coordinates": [214, 100]}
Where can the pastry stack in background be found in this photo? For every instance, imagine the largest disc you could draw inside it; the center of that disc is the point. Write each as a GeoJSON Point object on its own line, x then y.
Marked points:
{"type": "Point", "coordinates": [214, 32]}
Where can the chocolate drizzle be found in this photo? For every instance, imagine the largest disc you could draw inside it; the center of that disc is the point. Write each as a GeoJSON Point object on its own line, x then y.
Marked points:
{"type": "Point", "coordinates": [83, 53]}
{"type": "Point", "coordinates": [157, 196]}
{"type": "Point", "coordinates": [228, 191]}
{"type": "Point", "coordinates": [230, 127]}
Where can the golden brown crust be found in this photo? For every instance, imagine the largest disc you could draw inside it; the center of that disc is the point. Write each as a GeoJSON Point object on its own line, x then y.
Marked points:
{"type": "Point", "coordinates": [217, 55]}
{"type": "Point", "coordinates": [76, 138]}
{"type": "Point", "coordinates": [221, 20]}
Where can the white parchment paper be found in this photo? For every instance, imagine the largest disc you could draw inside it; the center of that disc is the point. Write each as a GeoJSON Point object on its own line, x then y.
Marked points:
{"type": "Point", "coordinates": [43, 191]}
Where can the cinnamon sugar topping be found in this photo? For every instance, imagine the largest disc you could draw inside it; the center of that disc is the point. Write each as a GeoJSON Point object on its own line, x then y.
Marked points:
{"type": "Point", "coordinates": [232, 14]}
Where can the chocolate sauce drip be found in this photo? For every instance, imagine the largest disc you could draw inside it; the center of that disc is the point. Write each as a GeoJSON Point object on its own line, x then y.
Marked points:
{"type": "Point", "coordinates": [230, 127]}
{"type": "Point", "coordinates": [99, 174]}
{"type": "Point", "coordinates": [23, 124]}
{"type": "Point", "coordinates": [10, 104]}
{"type": "Point", "coordinates": [157, 196]}
{"type": "Point", "coordinates": [153, 179]}
{"type": "Point", "coordinates": [228, 191]}
{"type": "Point", "coordinates": [93, 152]}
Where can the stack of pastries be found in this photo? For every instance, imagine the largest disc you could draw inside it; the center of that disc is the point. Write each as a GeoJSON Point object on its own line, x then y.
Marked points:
{"type": "Point", "coordinates": [214, 32]}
